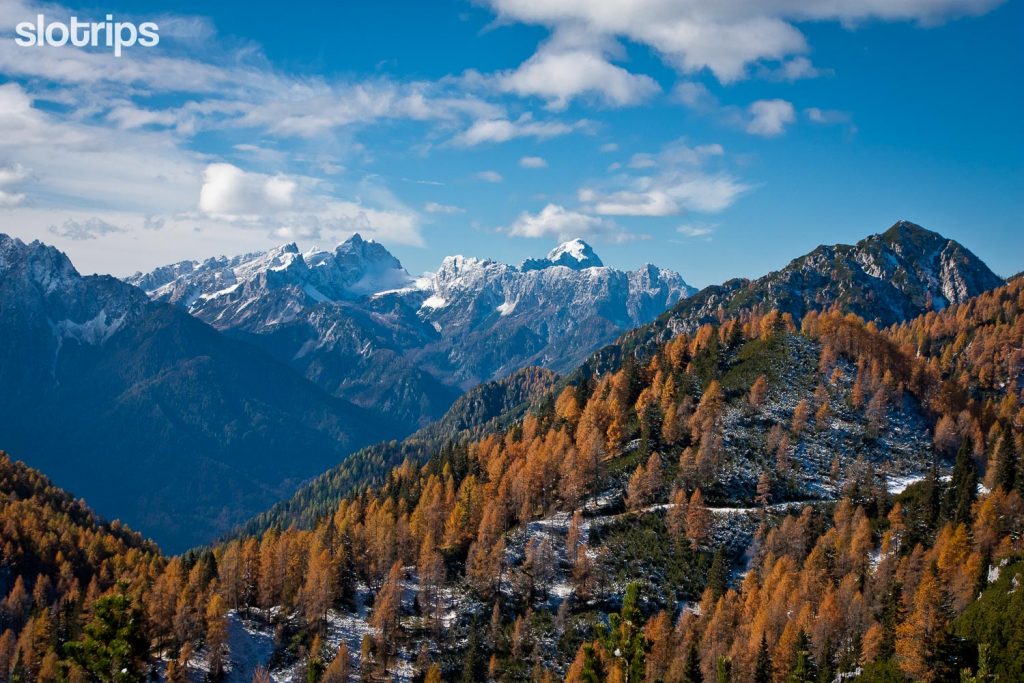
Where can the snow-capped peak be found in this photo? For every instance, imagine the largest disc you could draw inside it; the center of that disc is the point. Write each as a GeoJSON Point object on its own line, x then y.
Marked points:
{"type": "Point", "coordinates": [575, 254]}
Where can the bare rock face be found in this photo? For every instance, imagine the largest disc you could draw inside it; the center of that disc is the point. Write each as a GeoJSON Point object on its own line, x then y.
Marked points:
{"type": "Point", "coordinates": [887, 278]}
{"type": "Point", "coordinates": [359, 325]}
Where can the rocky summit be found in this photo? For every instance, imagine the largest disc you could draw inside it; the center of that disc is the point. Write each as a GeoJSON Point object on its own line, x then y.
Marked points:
{"type": "Point", "coordinates": [354, 321]}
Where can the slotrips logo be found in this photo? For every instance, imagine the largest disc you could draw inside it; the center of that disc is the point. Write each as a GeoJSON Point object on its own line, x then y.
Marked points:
{"type": "Point", "coordinates": [116, 35]}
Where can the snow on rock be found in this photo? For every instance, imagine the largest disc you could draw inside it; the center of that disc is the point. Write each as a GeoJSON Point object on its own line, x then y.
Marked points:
{"type": "Point", "coordinates": [902, 483]}
{"type": "Point", "coordinates": [92, 332]}
{"type": "Point", "coordinates": [250, 647]}
{"type": "Point", "coordinates": [575, 254]}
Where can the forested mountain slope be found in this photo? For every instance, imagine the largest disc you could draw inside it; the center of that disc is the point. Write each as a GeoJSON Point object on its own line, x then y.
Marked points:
{"type": "Point", "coordinates": [151, 415]}
{"type": "Point", "coordinates": [754, 502]}
{"type": "Point", "coordinates": [65, 575]}
{"type": "Point", "coordinates": [488, 407]}
{"type": "Point", "coordinates": [912, 269]}
{"type": "Point", "coordinates": [885, 278]}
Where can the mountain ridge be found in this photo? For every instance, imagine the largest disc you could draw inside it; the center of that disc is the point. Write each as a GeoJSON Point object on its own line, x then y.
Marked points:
{"type": "Point", "coordinates": [145, 388]}
{"type": "Point", "coordinates": [366, 330]}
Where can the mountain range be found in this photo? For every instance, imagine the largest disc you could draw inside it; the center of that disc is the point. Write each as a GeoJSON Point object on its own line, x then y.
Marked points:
{"type": "Point", "coordinates": [152, 415]}
{"type": "Point", "coordinates": [360, 326]}
{"type": "Point", "coordinates": [885, 278]}
{"type": "Point", "coordinates": [208, 424]}
{"type": "Point", "coordinates": [815, 475]}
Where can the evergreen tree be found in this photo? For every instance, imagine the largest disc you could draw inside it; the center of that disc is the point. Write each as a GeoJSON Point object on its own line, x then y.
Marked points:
{"type": "Point", "coordinates": [592, 671]}
{"type": "Point", "coordinates": [962, 488]}
{"type": "Point", "coordinates": [718, 574]}
{"type": "Point", "coordinates": [763, 668]}
{"type": "Point", "coordinates": [803, 669]}
{"type": "Point", "coordinates": [693, 672]}
{"type": "Point", "coordinates": [624, 639]}
{"type": "Point", "coordinates": [113, 646]}
{"type": "Point", "coordinates": [723, 670]}
{"type": "Point", "coordinates": [474, 668]}
{"type": "Point", "coordinates": [1005, 462]}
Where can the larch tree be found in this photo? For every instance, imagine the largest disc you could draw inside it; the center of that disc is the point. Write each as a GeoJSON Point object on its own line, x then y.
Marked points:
{"type": "Point", "coordinates": [758, 392]}
{"type": "Point", "coordinates": [921, 640]}
{"type": "Point", "coordinates": [675, 516]}
{"type": "Point", "coordinates": [698, 520]}
{"type": "Point", "coordinates": [340, 668]}
{"type": "Point", "coordinates": [432, 575]}
{"type": "Point", "coordinates": [801, 414]}
{"type": "Point", "coordinates": [216, 635]}
{"type": "Point", "coordinates": [386, 612]}
{"type": "Point", "coordinates": [764, 490]}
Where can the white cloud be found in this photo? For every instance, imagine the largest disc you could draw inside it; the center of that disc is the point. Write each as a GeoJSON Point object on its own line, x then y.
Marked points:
{"type": "Point", "coordinates": [672, 182]}
{"type": "Point", "coordinates": [88, 229]}
{"type": "Point", "coordinates": [769, 118]}
{"type": "Point", "coordinates": [795, 69]}
{"type": "Point", "coordinates": [570, 66]}
{"type": "Point", "coordinates": [294, 208]}
{"type": "Point", "coordinates": [11, 176]}
{"type": "Point", "coordinates": [694, 95]}
{"type": "Point", "coordinates": [434, 207]}
{"type": "Point", "coordinates": [697, 230]}
{"type": "Point", "coordinates": [502, 130]}
{"type": "Point", "coordinates": [826, 116]}
{"type": "Point", "coordinates": [533, 162]}
{"type": "Point", "coordinates": [489, 176]}
{"type": "Point", "coordinates": [666, 195]}
{"type": "Point", "coordinates": [723, 36]}
{"type": "Point", "coordinates": [766, 118]}
{"type": "Point", "coordinates": [609, 147]}
{"type": "Point", "coordinates": [84, 168]}
{"type": "Point", "coordinates": [558, 222]}
{"type": "Point", "coordinates": [92, 166]}
{"type": "Point", "coordinates": [230, 192]}
{"type": "Point", "coordinates": [642, 160]}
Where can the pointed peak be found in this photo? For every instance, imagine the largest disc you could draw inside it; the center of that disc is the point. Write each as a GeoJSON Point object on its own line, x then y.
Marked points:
{"type": "Point", "coordinates": [575, 254]}
{"type": "Point", "coordinates": [356, 240]}
{"type": "Point", "coordinates": [903, 230]}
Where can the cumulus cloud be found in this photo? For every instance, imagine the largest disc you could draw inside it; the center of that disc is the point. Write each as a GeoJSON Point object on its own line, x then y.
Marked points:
{"type": "Point", "coordinates": [228, 191]}
{"type": "Point", "coordinates": [88, 229]}
{"type": "Point", "coordinates": [294, 208]}
{"type": "Point", "coordinates": [769, 118]}
{"type": "Point", "coordinates": [561, 223]}
{"type": "Point", "coordinates": [533, 162]}
{"type": "Point", "coordinates": [572, 65]}
{"type": "Point", "coordinates": [723, 36]}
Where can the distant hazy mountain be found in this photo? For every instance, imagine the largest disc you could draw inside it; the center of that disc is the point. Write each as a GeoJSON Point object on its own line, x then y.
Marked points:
{"type": "Point", "coordinates": [152, 415]}
{"type": "Point", "coordinates": [356, 323]}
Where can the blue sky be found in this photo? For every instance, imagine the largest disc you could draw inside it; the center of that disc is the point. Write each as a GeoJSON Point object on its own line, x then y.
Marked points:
{"type": "Point", "coordinates": [717, 137]}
